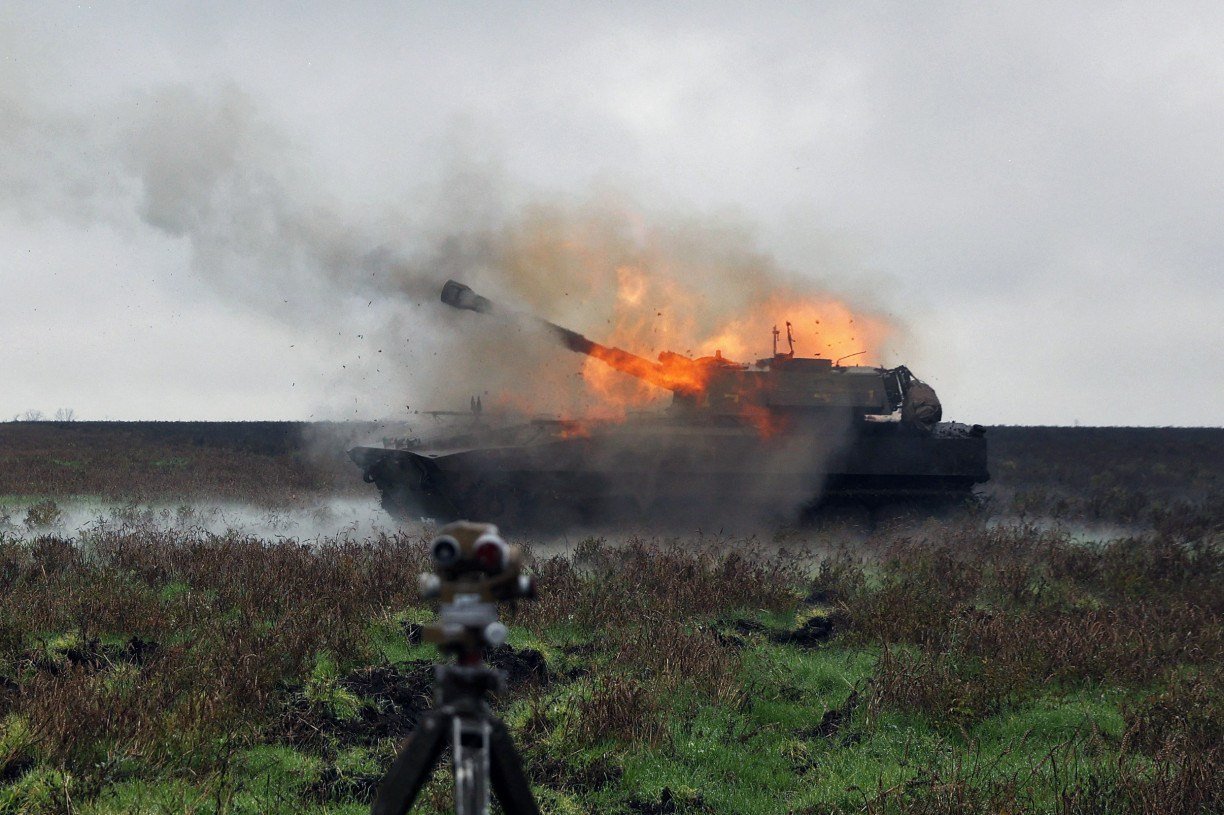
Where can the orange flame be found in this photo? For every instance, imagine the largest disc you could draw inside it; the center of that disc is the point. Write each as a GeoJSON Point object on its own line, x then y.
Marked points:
{"type": "Point", "coordinates": [653, 315]}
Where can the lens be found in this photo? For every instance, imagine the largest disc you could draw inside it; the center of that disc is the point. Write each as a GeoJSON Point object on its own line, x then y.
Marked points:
{"type": "Point", "coordinates": [491, 553]}
{"type": "Point", "coordinates": [445, 550]}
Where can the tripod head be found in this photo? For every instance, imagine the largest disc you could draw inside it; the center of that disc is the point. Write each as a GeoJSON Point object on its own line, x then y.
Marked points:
{"type": "Point", "coordinates": [474, 570]}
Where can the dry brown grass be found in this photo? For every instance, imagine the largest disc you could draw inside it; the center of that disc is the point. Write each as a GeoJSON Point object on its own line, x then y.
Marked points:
{"type": "Point", "coordinates": [620, 708]}
{"type": "Point", "coordinates": [605, 586]}
{"type": "Point", "coordinates": [215, 626]}
{"type": "Point", "coordinates": [986, 615]}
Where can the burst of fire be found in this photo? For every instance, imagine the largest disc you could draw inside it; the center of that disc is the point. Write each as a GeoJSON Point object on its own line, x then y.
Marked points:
{"type": "Point", "coordinates": [653, 316]}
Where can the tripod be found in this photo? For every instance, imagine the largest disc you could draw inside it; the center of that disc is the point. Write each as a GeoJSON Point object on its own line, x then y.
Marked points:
{"type": "Point", "coordinates": [473, 570]}
{"type": "Point", "coordinates": [482, 748]}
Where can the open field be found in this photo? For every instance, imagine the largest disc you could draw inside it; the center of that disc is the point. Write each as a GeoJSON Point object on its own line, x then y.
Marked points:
{"type": "Point", "coordinates": [259, 463]}
{"type": "Point", "coordinates": [1057, 648]}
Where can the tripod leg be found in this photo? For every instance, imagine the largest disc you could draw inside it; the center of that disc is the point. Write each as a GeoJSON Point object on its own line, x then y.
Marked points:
{"type": "Point", "coordinates": [510, 783]}
{"type": "Point", "coordinates": [413, 766]}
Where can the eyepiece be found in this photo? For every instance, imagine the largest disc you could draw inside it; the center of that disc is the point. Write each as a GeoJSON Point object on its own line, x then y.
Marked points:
{"type": "Point", "coordinates": [491, 553]}
{"type": "Point", "coordinates": [444, 550]}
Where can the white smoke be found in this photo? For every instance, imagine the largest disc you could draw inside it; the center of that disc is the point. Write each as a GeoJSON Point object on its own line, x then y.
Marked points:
{"type": "Point", "coordinates": [208, 169]}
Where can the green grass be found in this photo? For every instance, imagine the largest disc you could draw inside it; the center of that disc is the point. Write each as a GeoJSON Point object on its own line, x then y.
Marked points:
{"type": "Point", "coordinates": [263, 779]}
{"type": "Point", "coordinates": [766, 759]}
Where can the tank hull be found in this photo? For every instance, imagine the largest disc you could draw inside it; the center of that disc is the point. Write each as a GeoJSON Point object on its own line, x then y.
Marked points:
{"type": "Point", "coordinates": [548, 474]}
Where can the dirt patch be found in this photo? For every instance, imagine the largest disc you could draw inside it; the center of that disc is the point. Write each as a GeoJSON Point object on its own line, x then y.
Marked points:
{"type": "Point", "coordinates": [582, 649]}
{"type": "Point", "coordinates": [741, 634]}
{"type": "Point", "coordinates": [813, 633]}
{"type": "Point", "coordinates": [835, 720]}
{"type": "Point", "coordinates": [393, 698]}
{"type": "Point", "coordinates": [523, 668]}
{"type": "Point", "coordinates": [556, 773]}
{"type": "Point", "coordinates": [93, 655]}
{"type": "Point", "coordinates": [666, 805]}
{"type": "Point", "coordinates": [730, 640]}
{"type": "Point", "coordinates": [820, 597]}
{"type": "Point", "coordinates": [333, 786]}
{"type": "Point", "coordinates": [15, 768]}
{"type": "Point", "coordinates": [139, 651]}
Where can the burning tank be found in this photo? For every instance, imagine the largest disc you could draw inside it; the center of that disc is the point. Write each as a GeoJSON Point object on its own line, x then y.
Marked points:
{"type": "Point", "coordinates": [778, 436]}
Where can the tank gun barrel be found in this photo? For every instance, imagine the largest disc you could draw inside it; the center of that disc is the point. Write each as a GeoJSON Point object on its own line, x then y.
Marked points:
{"type": "Point", "coordinates": [680, 374]}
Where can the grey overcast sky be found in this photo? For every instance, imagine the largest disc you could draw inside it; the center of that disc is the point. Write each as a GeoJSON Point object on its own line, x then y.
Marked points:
{"type": "Point", "coordinates": [192, 195]}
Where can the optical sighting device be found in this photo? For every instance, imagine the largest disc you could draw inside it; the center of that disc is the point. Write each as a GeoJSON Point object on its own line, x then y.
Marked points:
{"type": "Point", "coordinates": [474, 570]}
